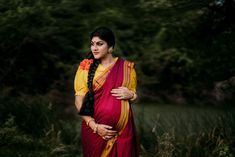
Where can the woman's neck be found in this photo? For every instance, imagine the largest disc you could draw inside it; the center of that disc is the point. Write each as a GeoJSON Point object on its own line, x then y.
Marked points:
{"type": "Point", "coordinates": [107, 60]}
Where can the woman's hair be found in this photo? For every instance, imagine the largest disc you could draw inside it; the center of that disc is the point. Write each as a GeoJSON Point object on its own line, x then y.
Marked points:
{"type": "Point", "coordinates": [107, 35]}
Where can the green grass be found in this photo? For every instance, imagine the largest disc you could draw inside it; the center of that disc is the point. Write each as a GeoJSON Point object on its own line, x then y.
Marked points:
{"type": "Point", "coordinates": [182, 131]}
{"type": "Point", "coordinates": [163, 131]}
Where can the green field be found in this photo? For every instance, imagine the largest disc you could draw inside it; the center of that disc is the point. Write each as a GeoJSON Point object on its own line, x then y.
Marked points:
{"type": "Point", "coordinates": [181, 131]}
{"type": "Point", "coordinates": [163, 131]}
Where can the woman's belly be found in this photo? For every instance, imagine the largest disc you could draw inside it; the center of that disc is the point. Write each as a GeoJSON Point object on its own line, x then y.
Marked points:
{"type": "Point", "coordinates": [108, 112]}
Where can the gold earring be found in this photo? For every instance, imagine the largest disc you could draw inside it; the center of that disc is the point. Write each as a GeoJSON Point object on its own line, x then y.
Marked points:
{"type": "Point", "coordinates": [110, 50]}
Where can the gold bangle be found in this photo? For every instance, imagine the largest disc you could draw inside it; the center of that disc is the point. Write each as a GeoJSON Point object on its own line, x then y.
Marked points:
{"type": "Point", "coordinates": [90, 121]}
{"type": "Point", "coordinates": [133, 97]}
{"type": "Point", "coordinates": [95, 129]}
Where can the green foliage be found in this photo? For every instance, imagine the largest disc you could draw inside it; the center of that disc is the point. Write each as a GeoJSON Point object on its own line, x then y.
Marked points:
{"type": "Point", "coordinates": [177, 45]}
{"type": "Point", "coordinates": [170, 131]}
{"type": "Point", "coordinates": [33, 113]}
{"type": "Point", "coordinates": [222, 151]}
{"type": "Point", "coordinates": [15, 142]}
{"type": "Point", "coordinates": [162, 131]}
{"type": "Point", "coordinates": [183, 52]}
{"type": "Point", "coordinates": [30, 128]}
{"type": "Point", "coordinates": [31, 49]}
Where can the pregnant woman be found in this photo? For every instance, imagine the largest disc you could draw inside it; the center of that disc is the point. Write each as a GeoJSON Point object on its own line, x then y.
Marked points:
{"type": "Point", "coordinates": [105, 87]}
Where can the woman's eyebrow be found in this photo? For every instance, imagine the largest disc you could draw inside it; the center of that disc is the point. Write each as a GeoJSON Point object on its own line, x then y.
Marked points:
{"type": "Point", "coordinates": [98, 42]}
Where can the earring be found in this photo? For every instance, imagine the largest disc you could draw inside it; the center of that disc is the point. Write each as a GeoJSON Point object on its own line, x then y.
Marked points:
{"type": "Point", "coordinates": [110, 50]}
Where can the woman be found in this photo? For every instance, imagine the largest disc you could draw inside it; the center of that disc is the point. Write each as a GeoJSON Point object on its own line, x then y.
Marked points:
{"type": "Point", "coordinates": [104, 87]}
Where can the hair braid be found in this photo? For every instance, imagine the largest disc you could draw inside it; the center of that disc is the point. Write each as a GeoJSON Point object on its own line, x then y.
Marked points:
{"type": "Point", "coordinates": [88, 103]}
{"type": "Point", "coordinates": [91, 75]}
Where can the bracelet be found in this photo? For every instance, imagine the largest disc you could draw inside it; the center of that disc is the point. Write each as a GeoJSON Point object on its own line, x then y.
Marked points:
{"type": "Point", "coordinates": [133, 97]}
{"type": "Point", "coordinates": [95, 129]}
{"type": "Point", "coordinates": [87, 123]}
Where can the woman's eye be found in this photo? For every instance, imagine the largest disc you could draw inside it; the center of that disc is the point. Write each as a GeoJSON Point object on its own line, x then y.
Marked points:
{"type": "Point", "coordinates": [97, 44]}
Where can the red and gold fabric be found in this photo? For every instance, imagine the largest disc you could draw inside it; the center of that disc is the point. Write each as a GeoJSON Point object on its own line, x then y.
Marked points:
{"type": "Point", "coordinates": [109, 110]}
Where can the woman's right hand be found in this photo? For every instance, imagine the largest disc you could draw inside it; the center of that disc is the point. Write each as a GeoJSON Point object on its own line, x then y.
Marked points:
{"type": "Point", "coordinates": [105, 131]}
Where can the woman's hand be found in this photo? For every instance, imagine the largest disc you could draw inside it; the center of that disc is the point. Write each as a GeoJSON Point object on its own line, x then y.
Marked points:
{"type": "Point", "coordinates": [105, 131]}
{"type": "Point", "coordinates": [122, 93]}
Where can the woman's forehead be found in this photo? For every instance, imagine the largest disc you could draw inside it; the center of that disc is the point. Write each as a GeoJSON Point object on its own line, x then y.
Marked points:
{"type": "Point", "coordinates": [96, 39]}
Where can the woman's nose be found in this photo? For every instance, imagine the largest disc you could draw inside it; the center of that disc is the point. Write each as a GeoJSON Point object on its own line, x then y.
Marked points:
{"type": "Point", "coordinates": [95, 47]}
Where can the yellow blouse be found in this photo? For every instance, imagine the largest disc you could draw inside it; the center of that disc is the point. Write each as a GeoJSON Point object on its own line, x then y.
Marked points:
{"type": "Point", "coordinates": [80, 81]}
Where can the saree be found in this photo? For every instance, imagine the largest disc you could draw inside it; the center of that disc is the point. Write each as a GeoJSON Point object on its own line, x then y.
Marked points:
{"type": "Point", "coordinates": [111, 111]}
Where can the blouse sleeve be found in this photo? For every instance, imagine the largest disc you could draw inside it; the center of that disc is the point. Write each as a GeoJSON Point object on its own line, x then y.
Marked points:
{"type": "Point", "coordinates": [80, 82]}
{"type": "Point", "coordinates": [133, 82]}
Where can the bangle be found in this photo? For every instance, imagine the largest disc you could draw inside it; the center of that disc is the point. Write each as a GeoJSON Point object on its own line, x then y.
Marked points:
{"type": "Point", "coordinates": [87, 123]}
{"type": "Point", "coordinates": [95, 129]}
{"type": "Point", "coordinates": [133, 97]}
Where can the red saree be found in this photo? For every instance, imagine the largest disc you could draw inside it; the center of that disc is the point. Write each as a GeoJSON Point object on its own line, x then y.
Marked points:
{"type": "Point", "coordinates": [111, 111]}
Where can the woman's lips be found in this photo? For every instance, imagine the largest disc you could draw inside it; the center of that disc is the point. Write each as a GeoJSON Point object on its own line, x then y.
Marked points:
{"type": "Point", "coordinates": [95, 53]}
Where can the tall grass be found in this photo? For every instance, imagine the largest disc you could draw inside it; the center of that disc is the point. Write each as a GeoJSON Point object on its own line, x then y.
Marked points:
{"type": "Point", "coordinates": [173, 131]}
{"type": "Point", "coordinates": [30, 127]}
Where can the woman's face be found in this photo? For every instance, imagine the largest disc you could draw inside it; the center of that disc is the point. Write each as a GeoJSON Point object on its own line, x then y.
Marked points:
{"type": "Point", "coordinates": [99, 48]}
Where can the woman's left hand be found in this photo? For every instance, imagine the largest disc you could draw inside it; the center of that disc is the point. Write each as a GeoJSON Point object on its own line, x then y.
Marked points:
{"type": "Point", "coordinates": [122, 93]}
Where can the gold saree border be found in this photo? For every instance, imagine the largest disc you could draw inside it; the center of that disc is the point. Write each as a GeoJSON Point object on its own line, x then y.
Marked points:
{"type": "Point", "coordinates": [99, 81]}
{"type": "Point", "coordinates": [123, 119]}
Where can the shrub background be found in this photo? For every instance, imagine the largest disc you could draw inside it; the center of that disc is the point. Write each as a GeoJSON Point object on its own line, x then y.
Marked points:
{"type": "Point", "coordinates": [184, 55]}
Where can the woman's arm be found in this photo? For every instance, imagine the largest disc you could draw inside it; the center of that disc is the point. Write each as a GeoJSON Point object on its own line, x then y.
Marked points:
{"type": "Point", "coordinates": [105, 131]}
{"type": "Point", "coordinates": [129, 92]}
{"type": "Point", "coordinates": [124, 93]}
{"type": "Point", "coordinates": [78, 103]}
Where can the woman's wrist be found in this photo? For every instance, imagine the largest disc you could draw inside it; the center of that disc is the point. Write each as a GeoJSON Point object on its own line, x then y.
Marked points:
{"type": "Point", "coordinates": [95, 130]}
{"type": "Point", "coordinates": [90, 120]}
{"type": "Point", "coordinates": [134, 96]}
{"type": "Point", "coordinates": [94, 126]}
